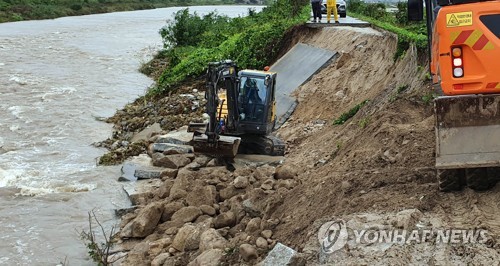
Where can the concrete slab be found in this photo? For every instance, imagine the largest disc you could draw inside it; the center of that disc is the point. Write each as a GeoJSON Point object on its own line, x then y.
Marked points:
{"type": "Point", "coordinates": [347, 21]}
{"type": "Point", "coordinates": [294, 68]}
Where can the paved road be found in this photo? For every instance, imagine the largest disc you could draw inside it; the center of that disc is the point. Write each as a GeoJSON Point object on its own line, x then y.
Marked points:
{"type": "Point", "coordinates": [347, 21]}
{"type": "Point", "coordinates": [294, 68]}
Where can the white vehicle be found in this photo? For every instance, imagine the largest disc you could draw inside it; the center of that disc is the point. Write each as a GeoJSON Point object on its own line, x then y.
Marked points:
{"type": "Point", "coordinates": [341, 8]}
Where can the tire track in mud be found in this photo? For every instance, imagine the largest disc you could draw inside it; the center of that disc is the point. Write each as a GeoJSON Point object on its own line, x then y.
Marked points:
{"type": "Point", "coordinates": [470, 208]}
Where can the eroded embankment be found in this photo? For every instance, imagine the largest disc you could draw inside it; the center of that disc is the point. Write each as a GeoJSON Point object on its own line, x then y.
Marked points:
{"type": "Point", "coordinates": [374, 170]}
{"type": "Point", "coordinates": [380, 162]}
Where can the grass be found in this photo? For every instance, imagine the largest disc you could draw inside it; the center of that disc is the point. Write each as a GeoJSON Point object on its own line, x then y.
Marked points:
{"type": "Point", "coordinates": [364, 122]}
{"type": "Point", "coordinates": [429, 97]}
{"type": "Point", "coordinates": [349, 114]}
{"type": "Point", "coordinates": [397, 22]}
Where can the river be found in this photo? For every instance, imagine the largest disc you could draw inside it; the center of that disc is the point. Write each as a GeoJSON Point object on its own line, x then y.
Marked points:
{"type": "Point", "coordinates": [57, 77]}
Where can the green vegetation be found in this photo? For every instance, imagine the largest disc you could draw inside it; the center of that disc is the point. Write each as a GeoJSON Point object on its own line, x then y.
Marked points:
{"type": "Point", "coordinates": [347, 115]}
{"type": "Point", "coordinates": [429, 97]}
{"type": "Point", "coordinates": [399, 90]}
{"type": "Point", "coordinates": [191, 41]}
{"type": "Point", "coordinates": [99, 251]}
{"type": "Point", "coordinates": [396, 22]}
{"type": "Point", "coordinates": [402, 88]}
{"type": "Point", "coordinates": [364, 122]}
{"type": "Point", "coordinates": [16, 10]}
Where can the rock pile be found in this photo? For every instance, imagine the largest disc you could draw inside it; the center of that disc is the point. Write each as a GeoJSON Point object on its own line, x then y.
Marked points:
{"type": "Point", "coordinates": [194, 211]}
{"type": "Point", "coordinates": [151, 115]}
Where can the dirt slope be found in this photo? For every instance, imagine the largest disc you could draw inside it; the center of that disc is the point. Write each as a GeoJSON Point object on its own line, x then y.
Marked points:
{"type": "Point", "coordinates": [380, 161]}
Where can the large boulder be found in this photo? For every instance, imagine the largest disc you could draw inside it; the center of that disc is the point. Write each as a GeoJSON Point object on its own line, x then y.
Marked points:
{"type": "Point", "coordinates": [160, 259]}
{"type": "Point", "coordinates": [187, 214]}
{"type": "Point", "coordinates": [248, 252]}
{"type": "Point", "coordinates": [164, 190]}
{"type": "Point", "coordinates": [145, 222]}
{"type": "Point", "coordinates": [253, 226]}
{"type": "Point", "coordinates": [168, 173]}
{"type": "Point", "coordinates": [241, 182]}
{"type": "Point", "coordinates": [169, 148]}
{"type": "Point", "coordinates": [148, 173]}
{"type": "Point", "coordinates": [180, 187]}
{"type": "Point", "coordinates": [140, 192]}
{"type": "Point", "coordinates": [211, 239]}
{"type": "Point", "coordinates": [229, 192]}
{"type": "Point", "coordinates": [169, 209]}
{"type": "Point", "coordinates": [212, 257]}
{"type": "Point", "coordinates": [174, 161]}
{"type": "Point", "coordinates": [159, 246]}
{"type": "Point", "coordinates": [188, 238]}
{"type": "Point", "coordinates": [285, 172]}
{"type": "Point", "coordinates": [227, 219]}
{"type": "Point", "coordinates": [179, 136]}
{"type": "Point", "coordinates": [138, 255]}
{"type": "Point", "coordinates": [255, 204]}
{"type": "Point", "coordinates": [201, 195]}
{"type": "Point", "coordinates": [147, 133]}
{"type": "Point", "coordinates": [280, 255]}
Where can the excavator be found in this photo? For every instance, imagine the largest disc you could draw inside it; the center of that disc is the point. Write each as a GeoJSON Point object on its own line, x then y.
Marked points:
{"type": "Point", "coordinates": [241, 107]}
{"type": "Point", "coordinates": [464, 43]}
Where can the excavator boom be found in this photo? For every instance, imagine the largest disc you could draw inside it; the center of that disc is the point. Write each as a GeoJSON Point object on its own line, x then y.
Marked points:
{"type": "Point", "coordinates": [211, 142]}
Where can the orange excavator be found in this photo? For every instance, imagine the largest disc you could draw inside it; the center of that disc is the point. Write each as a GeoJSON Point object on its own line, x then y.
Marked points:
{"type": "Point", "coordinates": [464, 42]}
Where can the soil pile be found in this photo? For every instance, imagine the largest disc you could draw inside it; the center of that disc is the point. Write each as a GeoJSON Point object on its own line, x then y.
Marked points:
{"type": "Point", "coordinates": [374, 170]}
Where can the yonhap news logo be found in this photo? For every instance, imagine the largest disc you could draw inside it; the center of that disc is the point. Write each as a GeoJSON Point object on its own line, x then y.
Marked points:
{"type": "Point", "coordinates": [334, 235]}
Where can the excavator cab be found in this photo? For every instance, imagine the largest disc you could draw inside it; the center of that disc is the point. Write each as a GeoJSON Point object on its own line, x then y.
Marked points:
{"type": "Point", "coordinates": [256, 102]}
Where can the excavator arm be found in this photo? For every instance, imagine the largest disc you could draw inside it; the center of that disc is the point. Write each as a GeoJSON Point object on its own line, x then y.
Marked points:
{"type": "Point", "coordinates": [211, 141]}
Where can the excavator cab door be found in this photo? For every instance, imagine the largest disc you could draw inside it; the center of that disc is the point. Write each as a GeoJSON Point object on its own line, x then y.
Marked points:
{"type": "Point", "coordinates": [255, 100]}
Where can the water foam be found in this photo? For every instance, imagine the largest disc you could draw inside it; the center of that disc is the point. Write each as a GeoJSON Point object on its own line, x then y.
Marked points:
{"type": "Point", "coordinates": [56, 91]}
{"type": "Point", "coordinates": [9, 177]}
{"type": "Point", "coordinates": [40, 191]}
{"type": "Point", "coordinates": [19, 80]}
{"type": "Point", "coordinates": [16, 111]}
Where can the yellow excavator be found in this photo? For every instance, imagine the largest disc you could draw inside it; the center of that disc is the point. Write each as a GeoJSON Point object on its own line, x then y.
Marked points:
{"type": "Point", "coordinates": [241, 106]}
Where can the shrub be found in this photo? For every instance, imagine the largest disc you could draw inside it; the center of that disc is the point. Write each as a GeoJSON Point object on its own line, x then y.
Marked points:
{"type": "Point", "coordinates": [192, 41]}
{"type": "Point", "coordinates": [402, 13]}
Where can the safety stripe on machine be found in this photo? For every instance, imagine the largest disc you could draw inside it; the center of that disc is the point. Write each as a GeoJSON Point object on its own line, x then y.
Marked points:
{"type": "Point", "coordinates": [493, 85]}
{"type": "Point", "coordinates": [472, 38]}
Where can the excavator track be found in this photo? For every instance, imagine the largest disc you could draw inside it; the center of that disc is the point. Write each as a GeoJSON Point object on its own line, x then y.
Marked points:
{"type": "Point", "coordinates": [266, 145]}
{"type": "Point", "coordinates": [479, 179]}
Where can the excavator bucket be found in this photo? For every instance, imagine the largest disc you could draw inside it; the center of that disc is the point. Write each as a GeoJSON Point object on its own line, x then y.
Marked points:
{"type": "Point", "coordinates": [467, 131]}
{"type": "Point", "coordinates": [225, 147]}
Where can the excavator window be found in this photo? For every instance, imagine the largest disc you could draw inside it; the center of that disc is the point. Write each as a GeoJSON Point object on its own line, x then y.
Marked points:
{"type": "Point", "coordinates": [252, 98]}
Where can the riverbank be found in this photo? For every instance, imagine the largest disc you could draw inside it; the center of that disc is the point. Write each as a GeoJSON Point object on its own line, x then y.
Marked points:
{"type": "Point", "coordinates": [36, 10]}
{"type": "Point", "coordinates": [373, 171]}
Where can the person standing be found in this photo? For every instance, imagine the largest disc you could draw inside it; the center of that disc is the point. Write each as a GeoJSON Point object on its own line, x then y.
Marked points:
{"type": "Point", "coordinates": [331, 5]}
{"type": "Point", "coordinates": [316, 9]}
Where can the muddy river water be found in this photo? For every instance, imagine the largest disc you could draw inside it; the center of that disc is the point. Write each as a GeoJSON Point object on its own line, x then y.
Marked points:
{"type": "Point", "coordinates": [57, 77]}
